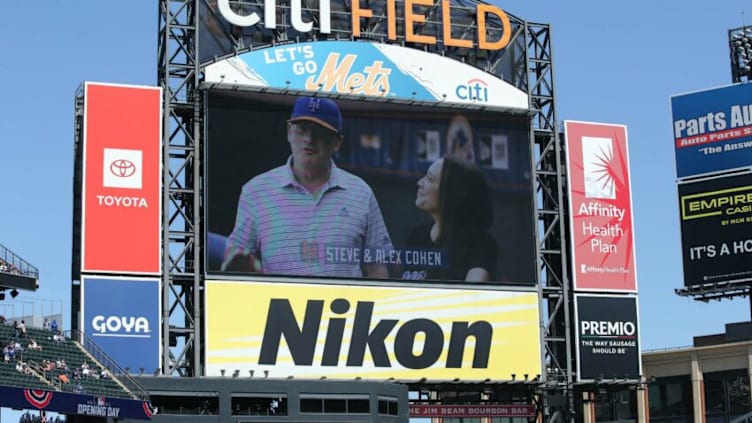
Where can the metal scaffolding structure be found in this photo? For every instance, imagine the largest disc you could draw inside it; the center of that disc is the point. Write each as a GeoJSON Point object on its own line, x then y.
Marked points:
{"type": "Point", "coordinates": [179, 75]}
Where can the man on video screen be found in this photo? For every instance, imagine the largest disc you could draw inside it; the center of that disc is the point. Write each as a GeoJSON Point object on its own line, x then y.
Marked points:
{"type": "Point", "coordinates": [308, 217]}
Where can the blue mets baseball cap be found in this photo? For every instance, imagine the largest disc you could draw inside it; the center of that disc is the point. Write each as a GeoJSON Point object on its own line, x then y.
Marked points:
{"type": "Point", "coordinates": [322, 111]}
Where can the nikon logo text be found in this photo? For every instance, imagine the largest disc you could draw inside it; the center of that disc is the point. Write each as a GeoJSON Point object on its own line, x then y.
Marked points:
{"type": "Point", "coordinates": [301, 339]}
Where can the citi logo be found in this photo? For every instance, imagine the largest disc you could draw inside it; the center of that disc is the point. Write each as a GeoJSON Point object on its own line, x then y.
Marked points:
{"type": "Point", "coordinates": [368, 336]}
{"type": "Point", "coordinates": [121, 326]}
{"type": "Point", "coordinates": [475, 89]}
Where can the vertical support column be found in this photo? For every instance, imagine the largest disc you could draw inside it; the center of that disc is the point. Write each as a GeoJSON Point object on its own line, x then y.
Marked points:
{"type": "Point", "coordinates": [178, 74]}
{"type": "Point", "coordinates": [588, 407]}
{"type": "Point", "coordinates": [698, 389]}
{"type": "Point", "coordinates": [749, 368]}
{"type": "Point", "coordinates": [643, 402]}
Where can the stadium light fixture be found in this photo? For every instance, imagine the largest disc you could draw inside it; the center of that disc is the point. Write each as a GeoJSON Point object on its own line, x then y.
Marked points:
{"type": "Point", "coordinates": [740, 46]}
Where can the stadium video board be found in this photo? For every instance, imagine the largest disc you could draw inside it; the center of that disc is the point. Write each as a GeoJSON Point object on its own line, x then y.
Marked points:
{"type": "Point", "coordinates": [398, 171]}
{"type": "Point", "coordinates": [716, 217]}
{"type": "Point", "coordinates": [310, 331]}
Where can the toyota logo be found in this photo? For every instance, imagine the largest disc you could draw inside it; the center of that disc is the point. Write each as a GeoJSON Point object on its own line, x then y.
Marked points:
{"type": "Point", "coordinates": [122, 168]}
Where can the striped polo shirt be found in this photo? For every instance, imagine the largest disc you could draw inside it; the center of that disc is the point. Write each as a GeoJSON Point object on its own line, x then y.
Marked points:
{"type": "Point", "coordinates": [296, 233]}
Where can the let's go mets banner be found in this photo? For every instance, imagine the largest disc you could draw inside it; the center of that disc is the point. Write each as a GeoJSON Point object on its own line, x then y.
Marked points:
{"type": "Point", "coordinates": [122, 179]}
{"type": "Point", "coordinates": [600, 204]}
{"type": "Point", "coordinates": [367, 69]}
{"type": "Point", "coordinates": [311, 331]}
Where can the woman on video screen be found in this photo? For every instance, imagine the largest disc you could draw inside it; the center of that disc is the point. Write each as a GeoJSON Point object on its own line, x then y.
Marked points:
{"type": "Point", "coordinates": [455, 194]}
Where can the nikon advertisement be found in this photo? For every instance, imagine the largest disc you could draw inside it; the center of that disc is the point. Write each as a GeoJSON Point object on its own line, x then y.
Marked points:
{"type": "Point", "coordinates": [313, 331]}
{"type": "Point", "coordinates": [607, 338]}
{"type": "Point", "coordinates": [716, 217]}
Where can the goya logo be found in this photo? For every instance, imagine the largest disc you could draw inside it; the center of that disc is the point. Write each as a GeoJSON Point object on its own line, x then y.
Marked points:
{"type": "Point", "coordinates": [301, 339]}
{"type": "Point", "coordinates": [121, 326]}
{"type": "Point", "coordinates": [475, 89]}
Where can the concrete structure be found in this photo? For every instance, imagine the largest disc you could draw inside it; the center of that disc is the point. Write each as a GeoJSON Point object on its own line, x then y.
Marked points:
{"type": "Point", "coordinates": [708, 382]}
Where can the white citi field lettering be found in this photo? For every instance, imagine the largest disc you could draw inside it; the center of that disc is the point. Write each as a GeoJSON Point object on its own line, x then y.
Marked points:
{"type": "Point", "coordinates": [412, 17]}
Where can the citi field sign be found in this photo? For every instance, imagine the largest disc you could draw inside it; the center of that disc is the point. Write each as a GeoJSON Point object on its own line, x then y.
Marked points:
{"type": "Point", "coordinates": [414, 12]}
{"type": "Point", "coordinates": [370, 332]}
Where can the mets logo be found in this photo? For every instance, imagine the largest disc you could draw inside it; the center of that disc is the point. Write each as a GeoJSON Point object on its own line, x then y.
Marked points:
{"type": "Point", "coordinates": [314, 104]}
{"type": "Point", "coordinates": [122, 168]}
{"type": "Point", "coordinates": [37, 398]}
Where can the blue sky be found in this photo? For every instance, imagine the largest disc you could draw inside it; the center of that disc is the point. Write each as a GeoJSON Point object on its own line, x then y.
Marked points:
{"type": "Point", "coordinates": [616, 62]}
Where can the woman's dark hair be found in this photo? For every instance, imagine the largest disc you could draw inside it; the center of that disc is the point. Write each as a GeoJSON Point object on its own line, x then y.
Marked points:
{"type": "Point", "coordinates": [465, 202]}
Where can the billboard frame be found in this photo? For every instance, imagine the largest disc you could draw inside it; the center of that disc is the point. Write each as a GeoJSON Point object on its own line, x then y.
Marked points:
{"type": "Point", "coordinates": [715, 290]}
{"type": "Point", "coordinates": [577, 337]}
{"type": "Point", "coordinates": [179, 73]}
{"type": "Point", "coordinates": [81, 236]}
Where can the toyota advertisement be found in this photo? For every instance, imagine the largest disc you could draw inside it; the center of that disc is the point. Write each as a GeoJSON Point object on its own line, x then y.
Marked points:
{"type": "Point", "coordinates": [608, 338]}
{"type": "Point", "coordinates": [311, 331]}
{"type": "Point", "coordinates": [122, 198]}
{"type": "Point", "coordinates": [316, 187]}
{"type": "Point", "coordinates": [712, 130]}
{"type": "Point", "coordinates": [121, 317]}
{"type": "Point", "coordinates": [716, 218]}
{"type": "Point", "coordinates": [600, 204]}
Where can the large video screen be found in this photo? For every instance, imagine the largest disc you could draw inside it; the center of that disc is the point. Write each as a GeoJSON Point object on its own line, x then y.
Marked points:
{"type": "Point", "coordinates": [387, 192]}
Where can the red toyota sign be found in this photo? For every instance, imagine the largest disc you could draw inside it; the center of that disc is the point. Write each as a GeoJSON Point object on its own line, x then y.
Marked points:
{"type": "Point", "coordinates": [600, 204]}
{"type": "Point", "coordinates": [122, 202]}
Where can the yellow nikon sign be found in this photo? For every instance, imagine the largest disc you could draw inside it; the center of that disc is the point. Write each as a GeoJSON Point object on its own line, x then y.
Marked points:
{"type": "Point", "coordinates": [336, 331]}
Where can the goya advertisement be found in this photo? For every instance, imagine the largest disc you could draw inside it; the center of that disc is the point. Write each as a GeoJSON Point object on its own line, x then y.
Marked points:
{"type": "Point", "coordinates": [716, 218]}
{"type": "Point", "coordinates": [377, 332]}
{"type": "Point", "coordinates": [367, 69]}
{"type": "Point", "coordinates": [713, 130]}
{"type": "Point", "coordinates": [121, 316]}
